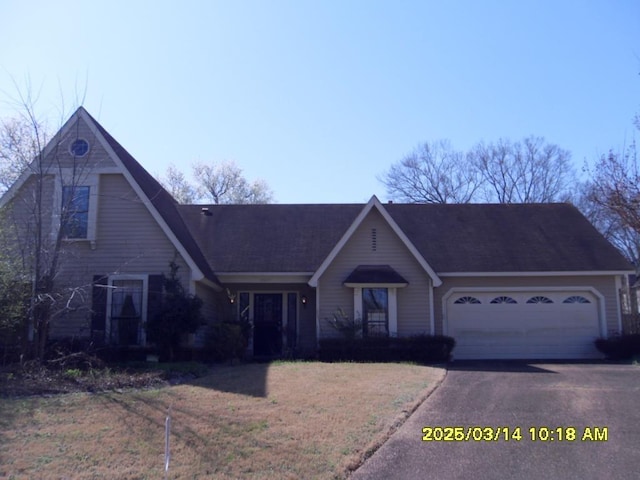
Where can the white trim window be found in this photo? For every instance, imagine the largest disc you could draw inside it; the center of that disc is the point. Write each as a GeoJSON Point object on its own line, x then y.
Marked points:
{"type": "Point", "coordinates": [74, 220]}
{"type": "Point", "coordinates": [375, 312]}
{"type": "Point", "coordinates": [127, 309]}
{"type": "Point", "coordinates": [376, 306]}
{"type": "Point", "coordinates": [76, 207]}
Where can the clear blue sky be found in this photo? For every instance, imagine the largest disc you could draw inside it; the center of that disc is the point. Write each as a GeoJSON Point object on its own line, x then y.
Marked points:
{"type": "Point", "coordinates": [319, 97]}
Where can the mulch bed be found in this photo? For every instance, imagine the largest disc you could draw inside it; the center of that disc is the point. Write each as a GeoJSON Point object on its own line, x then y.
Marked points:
{"type": "Point", "coordinates": [29, 379]}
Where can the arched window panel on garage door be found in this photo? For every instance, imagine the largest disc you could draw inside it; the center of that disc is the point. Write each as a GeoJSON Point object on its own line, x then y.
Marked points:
{"type": "Point", "coordinates": [539, 299]}
{"type": "Point", "coordinates": [576, 299]}
{"type": "Point", "coordinates": [503, 299]}
{"type": "Point", "coordinates": [467, 299]}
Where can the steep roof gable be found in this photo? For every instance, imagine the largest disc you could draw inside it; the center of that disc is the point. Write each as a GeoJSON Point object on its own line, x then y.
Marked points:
{"type": "Point", "coordinates": [161, 205]}
{"type": "Point", "coordinates": [374, 203]}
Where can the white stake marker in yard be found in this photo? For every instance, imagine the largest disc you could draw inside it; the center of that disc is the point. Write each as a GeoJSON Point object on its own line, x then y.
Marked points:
{"type": "Point", "coordinates": [167, 452]}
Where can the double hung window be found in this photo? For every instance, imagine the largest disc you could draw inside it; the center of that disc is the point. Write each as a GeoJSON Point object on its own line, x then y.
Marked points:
{"type": "Point", "coordinates": [375, 307]}
{"type": "Point", "coordinates": [75, 211]}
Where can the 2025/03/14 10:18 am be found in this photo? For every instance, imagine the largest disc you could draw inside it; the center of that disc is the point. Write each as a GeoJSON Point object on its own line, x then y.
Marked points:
{"type": "Point", "coordinates": [494, 434]}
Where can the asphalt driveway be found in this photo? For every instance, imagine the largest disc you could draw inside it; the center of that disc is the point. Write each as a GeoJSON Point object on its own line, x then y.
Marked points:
{"type": "Point", "coordinates": [585, 419]}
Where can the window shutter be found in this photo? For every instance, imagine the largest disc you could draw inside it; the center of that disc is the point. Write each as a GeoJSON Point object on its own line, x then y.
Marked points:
{"type": "Point", "coordinates": [154, 297]}
{"type": "Point", "coordinates": [99, 308]}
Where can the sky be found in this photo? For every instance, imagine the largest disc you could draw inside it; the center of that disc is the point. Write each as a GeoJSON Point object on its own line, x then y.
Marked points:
{"type": "Point", "coordinates": [319, 98]}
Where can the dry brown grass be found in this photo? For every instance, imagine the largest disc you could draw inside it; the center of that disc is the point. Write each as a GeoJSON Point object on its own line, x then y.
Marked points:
{"type": "Point", "coordinates": [282, 420]}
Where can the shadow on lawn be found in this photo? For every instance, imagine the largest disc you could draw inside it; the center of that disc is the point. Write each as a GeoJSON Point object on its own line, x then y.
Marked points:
{"type": "Point", "coordinates": [244, 379]}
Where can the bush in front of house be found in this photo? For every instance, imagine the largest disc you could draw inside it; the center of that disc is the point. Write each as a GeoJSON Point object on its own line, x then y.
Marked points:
{"type": "Point", "coordinates": [178, 315]}
{"type": "Point", "coordinates": [226, 341]}
{"type": "Point", "coordinates": [620, 347]}
{"type": "Point", "coordinates": [417, 348]}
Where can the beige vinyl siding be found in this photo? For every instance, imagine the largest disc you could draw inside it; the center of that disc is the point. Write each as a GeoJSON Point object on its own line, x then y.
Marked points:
{"type": "Point", "coordinates": [97, 157]}
{"type": "Point", "coordinates": [127, 238]}
{"type": "Point", "coordinates": [129, 241]}
{"type": "Point", "coordinates": [413, 300]}
{"type": "Point", "coordinates": [210, 301]}
{"type": "Point", "coordinates": [605, 285]}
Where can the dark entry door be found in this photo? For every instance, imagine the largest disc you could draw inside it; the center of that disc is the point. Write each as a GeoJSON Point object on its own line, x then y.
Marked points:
{"type": "Point", "coordinates": [267, 324]}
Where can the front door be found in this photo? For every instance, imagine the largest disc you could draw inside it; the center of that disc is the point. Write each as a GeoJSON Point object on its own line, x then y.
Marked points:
{"type": "Point", "coordinates": [267, 324]}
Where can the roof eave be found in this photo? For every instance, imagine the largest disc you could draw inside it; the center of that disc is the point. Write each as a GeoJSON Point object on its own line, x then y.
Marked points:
{"type": "Point", "coordinates": [554, 273]}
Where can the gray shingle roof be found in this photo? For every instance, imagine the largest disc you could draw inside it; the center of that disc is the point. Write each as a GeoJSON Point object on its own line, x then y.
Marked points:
{"type": "Point", "coordinates": [268, 238]}
{"type": "Point", "coordinates": [506, 238]}
{"type": "Point", "coordinates": [452, 238]}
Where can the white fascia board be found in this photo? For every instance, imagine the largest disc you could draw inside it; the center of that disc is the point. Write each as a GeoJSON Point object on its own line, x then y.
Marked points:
{"type": "Point", "coordinates": [374, 203]}
{"type": "Point", "coordinates": [619, 280]}
{"type": "Point", "coordinates": [196, 273]}
{"type": "Point", "coordinates": [432, 311]}
{"type": "Point", "coordinates": [264, 277]}
{"type": "Point", "coordinates": [209, 283]}
{"type": "Point", "coordinates": [584, 273]}
{"type": "Point", "coordinates": [376, 285]}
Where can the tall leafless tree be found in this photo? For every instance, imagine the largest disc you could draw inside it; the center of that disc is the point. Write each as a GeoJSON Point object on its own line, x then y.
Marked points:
{"type": "Point", "coordinates": [504, 172]}
{"type": "Point", "coordinates": [608, 222]}
{"type": "Point", "coordinates": [34, 229]}
{"type": "Point", "coordinates": [530, 171]}
{"type": "Point", "coordinates": [433, 173]}
{"type": "Point", "coordinates": [614, 190]}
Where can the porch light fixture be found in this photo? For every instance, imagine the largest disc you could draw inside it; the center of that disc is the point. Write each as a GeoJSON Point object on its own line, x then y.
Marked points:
{"type": "Point", "coordinates": [304, 299]}
{"type": "Point", "coordinates": [231, 297]}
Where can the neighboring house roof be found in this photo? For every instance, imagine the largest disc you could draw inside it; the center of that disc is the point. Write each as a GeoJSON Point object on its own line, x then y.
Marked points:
{"type": "Point", "coordinates": [454, 238]}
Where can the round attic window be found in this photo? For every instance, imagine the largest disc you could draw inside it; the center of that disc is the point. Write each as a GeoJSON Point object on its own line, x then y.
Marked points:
{"type": "Point", "coordinates": [79, 147]}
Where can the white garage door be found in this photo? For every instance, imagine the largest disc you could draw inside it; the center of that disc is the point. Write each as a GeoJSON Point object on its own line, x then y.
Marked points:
{"type": "Point", "coordinates": [526, 325]}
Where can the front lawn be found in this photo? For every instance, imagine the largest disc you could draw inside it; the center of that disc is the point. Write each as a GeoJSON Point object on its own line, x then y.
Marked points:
{"type": "Point", "coordinates": [281, 420]}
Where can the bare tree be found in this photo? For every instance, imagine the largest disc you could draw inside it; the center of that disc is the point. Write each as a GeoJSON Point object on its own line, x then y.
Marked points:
{"type": "Point", "coordinates": [615, 187]}
{"type": "Point", "coordinates": [224, 183]}
{"type": "Point", "coordinates": [20, 141]}
{"type": "Point", "coordinates": [530, 171]}
{"type": "Point", "coordinates": [433, 173]}
{"type": "Point", "coordinates": [608, 222]}
{"type": "Point", "coordinates": [178, 186]}
{"type": "Point", "coordinates": [34, 229]}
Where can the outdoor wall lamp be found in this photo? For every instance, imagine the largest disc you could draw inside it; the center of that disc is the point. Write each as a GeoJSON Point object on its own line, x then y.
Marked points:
{"type": "Point", "coordinates": [231, 296]}
{"type": "Point", "coordinates": [303, 299]}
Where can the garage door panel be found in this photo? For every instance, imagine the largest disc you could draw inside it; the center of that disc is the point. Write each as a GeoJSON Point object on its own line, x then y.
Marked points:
{"type": "Point", "coordinates": [524, 330]}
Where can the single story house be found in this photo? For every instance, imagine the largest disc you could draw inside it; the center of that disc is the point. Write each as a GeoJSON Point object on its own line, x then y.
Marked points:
{"type": "Point", "coordinates": [505, 280]}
